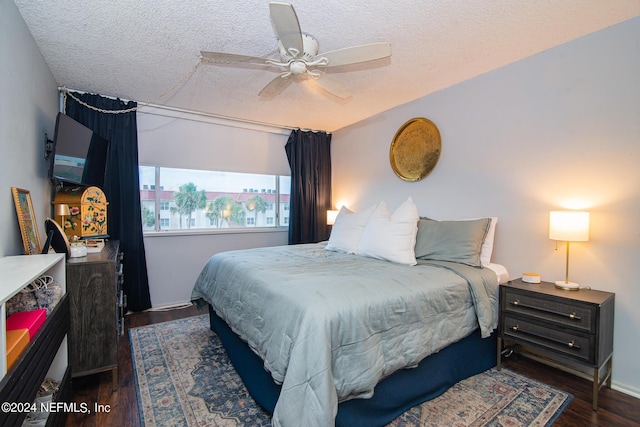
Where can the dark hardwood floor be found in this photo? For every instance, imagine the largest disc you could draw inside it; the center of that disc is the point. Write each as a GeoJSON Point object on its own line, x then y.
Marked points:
{"type": "Point", "coordinates": [615, 408]}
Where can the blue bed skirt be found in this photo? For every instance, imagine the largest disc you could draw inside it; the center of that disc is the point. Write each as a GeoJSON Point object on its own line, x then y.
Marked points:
{"type": "Point", "coordinates": [393, 396]}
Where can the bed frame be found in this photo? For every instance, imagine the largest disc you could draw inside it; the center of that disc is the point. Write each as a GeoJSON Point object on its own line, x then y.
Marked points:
{"type": "Point", "coordinates": [393, 396]}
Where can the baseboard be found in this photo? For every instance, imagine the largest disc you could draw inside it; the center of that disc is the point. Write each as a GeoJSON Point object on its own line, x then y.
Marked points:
{"type": "Point", "coordinates": [626, 390]}
{"type": "Point", "coordinates": [174, 306]}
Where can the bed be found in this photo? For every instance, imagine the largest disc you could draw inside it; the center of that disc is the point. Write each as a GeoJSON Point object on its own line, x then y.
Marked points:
{"type": "Point", "coordinates": [323, 336]}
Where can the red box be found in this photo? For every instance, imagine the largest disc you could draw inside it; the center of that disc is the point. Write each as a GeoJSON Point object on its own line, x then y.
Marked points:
{"type": "Point", "coordinates": [17, 341]}
{"type": "Point", "coordinates": [31, 320]}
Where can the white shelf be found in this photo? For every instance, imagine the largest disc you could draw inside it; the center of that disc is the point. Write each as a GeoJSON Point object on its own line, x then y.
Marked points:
{"type": "Point", "coordinates": [16, 272]}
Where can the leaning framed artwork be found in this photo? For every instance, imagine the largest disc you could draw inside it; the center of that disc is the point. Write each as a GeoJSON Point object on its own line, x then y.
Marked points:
{"type": "Point", "coordinates": [26, 220]}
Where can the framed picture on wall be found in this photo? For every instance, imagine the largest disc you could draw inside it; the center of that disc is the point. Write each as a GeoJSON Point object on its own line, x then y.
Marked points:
{"type": "Point", "coordinates": [26, 220]}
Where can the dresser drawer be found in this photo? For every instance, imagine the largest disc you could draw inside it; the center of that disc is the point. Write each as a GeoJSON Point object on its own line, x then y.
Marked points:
{"type": "Point", "coordinates": [554, 310]}
{"type": "Point", "coordinates": [569, 343]}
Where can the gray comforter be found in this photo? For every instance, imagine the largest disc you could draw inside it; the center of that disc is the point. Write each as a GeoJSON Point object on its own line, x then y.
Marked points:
{"type": "Point", "coordinates": [329, 325]}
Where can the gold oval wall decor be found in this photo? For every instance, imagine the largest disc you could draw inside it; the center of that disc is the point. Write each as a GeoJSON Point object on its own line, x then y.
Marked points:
{"type": "Point", "coordinates": [415, 149]}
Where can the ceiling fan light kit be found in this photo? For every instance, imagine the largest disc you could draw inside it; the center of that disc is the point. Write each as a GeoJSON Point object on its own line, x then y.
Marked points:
{"type": "Point", "coordinates": [299, 55]}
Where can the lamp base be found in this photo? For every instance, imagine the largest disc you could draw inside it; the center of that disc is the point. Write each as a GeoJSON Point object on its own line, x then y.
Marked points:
{"type": "Point", "coordinates": [567, 286]}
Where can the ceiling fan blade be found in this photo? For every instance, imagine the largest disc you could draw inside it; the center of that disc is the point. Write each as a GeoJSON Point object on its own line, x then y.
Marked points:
{"type": "Point", "coordinates": [230, 58]}
{"type": "Point", "coordinates": [274, 88]}
{"type": "Point", "coordinates": [330, 84]}
{"type": "Point", "coordinates": [286, 26]}
{"type": "Point", "coordinates": [356, 54]}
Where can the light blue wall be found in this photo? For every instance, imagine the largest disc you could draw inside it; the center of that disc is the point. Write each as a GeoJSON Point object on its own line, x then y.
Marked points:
{"type": "Point", "coordinates": [28, 108]}
{"type": "Point", "coordinates": [557, 130]}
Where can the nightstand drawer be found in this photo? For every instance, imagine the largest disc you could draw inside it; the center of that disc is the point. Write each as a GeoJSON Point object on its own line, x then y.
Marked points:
{"type": "Point", "coordinates": [575, 345]}
{"type": "Point", "coordinates": [559, 312]}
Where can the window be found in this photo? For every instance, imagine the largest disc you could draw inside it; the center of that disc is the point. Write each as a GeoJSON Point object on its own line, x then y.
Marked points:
{"type": "Point", "coordinates": [191, 199]}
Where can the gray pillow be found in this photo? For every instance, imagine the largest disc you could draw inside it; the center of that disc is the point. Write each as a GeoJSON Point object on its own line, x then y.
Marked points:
{"type": "Point", "coordinates": [455, 241]}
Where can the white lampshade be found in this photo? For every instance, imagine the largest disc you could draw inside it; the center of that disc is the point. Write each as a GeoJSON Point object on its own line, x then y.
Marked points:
{"type": "Point", "coordinates": [569, 226]}
{"type": "Point", "coordinates": [331, 217]}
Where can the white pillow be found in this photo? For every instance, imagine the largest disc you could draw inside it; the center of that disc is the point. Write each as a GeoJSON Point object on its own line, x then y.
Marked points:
{"type": "Point", "coordinates": [487, 245]}
{"type": "Point", "coordinates": [347, 230]}
{"type": "Point", "coordinates": [391, 237]}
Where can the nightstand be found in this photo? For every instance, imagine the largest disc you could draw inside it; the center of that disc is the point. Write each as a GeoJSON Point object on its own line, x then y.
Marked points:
{"type": "Point", "coordinates": [570, 330]}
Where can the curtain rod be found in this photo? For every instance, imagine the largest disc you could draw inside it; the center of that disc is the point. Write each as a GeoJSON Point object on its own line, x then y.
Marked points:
{"type": "Point", "coordinates": [218, 116]}
{"type": "Point", "coordinates": [63, 89]}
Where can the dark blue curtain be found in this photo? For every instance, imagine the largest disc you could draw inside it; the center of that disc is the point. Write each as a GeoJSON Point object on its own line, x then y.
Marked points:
{"type": "Point", "coordinates": [309, 155]}
{"type": "Point", "coordinates": [121, 186]}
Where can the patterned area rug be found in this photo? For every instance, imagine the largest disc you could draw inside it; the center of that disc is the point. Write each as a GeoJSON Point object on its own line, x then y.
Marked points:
{"type": "Point", "coordinates": [184, 378]}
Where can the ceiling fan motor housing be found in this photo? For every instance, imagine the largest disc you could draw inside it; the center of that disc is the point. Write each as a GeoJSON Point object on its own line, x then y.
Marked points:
{"type": "Point", "coordinates": [309, 47]}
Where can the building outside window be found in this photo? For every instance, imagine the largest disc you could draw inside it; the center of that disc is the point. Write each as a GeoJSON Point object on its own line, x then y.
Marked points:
{"type": "Point", "coordinates": [196, 199]}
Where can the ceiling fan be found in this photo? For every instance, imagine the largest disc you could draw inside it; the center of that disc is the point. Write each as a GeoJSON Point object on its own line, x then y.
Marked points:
{"type": "Point", "coordinates": [299, 58]}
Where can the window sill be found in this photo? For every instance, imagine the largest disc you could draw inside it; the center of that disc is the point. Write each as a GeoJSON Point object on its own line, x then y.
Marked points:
{"type": "Point", "coordinates": [200, 232]}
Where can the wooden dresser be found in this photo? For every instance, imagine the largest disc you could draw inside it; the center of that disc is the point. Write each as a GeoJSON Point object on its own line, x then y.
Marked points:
{"type": "Point", "coordinates": [571, 330]}
{"type": "Point", "coordinates": [94, 284]}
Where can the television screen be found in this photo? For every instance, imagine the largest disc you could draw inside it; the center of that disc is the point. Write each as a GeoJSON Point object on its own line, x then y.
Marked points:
{"type": "Point", "coordinates": [80, 155]}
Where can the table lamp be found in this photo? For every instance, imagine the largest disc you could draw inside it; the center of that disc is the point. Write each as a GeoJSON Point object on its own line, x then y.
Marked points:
{"type": "Point", "coordinates": [331, 216]}
{"type": "Point", "coordinates": [61, 210]}
{"type": "Point", "coordinates": [568, 226]}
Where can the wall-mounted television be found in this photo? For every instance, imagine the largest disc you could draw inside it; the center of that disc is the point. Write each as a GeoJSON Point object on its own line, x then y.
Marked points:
{"type": "Point", "coordinates": [79, 155]}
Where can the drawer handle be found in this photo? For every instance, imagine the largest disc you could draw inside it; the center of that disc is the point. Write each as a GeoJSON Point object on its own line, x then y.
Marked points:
{"type": "Point", "coordinates": [572, 316]}
{"type": "Point", "coordinates": [571, 344]}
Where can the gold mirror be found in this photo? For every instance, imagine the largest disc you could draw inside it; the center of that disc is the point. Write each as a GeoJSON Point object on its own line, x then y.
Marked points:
{"type": "Point", "coordinates": [415, 149]}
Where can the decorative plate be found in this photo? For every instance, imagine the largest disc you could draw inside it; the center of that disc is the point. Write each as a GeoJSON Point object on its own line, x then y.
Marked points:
{"type": "Point", "coordinates": [415, 149]}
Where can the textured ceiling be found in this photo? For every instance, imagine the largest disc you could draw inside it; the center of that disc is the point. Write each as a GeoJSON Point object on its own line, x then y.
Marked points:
{"type": "Point", "coordinates": [147, 50]}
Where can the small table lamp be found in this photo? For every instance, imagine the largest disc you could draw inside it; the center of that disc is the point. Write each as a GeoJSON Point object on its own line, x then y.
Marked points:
{"type": "Point", "coordinates": [61, 210]}
{"type": "Point", "coordinates": [568, 226]}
